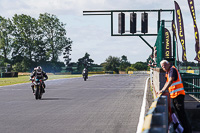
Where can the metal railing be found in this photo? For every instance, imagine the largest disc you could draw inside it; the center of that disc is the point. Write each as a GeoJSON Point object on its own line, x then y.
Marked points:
{"type": "Point", "coordinates": [156, 120]}
{"type": "Point", "coordinates": [191, 83]}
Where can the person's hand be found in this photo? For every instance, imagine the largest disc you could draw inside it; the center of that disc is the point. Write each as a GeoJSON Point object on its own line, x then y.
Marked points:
{"type": "Point", "coordinates": [159, 92]}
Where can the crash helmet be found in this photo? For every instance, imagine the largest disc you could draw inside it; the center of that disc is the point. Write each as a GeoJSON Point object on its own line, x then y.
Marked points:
{"type": "Point", "coordinates": [39, 68]}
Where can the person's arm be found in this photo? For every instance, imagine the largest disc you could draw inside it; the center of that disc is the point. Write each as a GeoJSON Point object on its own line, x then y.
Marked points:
{"type": "Point", "coordinates": [45, 75]}
{"type": "Point", "coordinates": [32, 74]}
{"type": "Point", "coordinates": [167, 84]}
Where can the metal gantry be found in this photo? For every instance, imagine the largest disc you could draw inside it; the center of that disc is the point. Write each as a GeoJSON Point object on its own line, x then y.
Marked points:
{"type": "Point", "coordinates": [111, 14]}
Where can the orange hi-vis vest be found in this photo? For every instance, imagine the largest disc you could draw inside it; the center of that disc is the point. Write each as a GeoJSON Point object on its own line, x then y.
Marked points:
{"type": "Point", "coordinates": [177, 86]}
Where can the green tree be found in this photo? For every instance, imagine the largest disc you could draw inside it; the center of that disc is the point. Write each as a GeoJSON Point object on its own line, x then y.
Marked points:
{"type": "Point", "coordinates": [21, 66]}
{"type": "Point", "coordinates": [66, 53]}
{"type": "Point", "coordinates": [124, 63]}
{"type": "Point", "coordinates": [25, 36]}
{"type": "Point", "coordinates": [54, 35]}
{"type": "Point", "coordinates": [70, 67]}
{"type": "Point", "coordinates": [111, 64]}
{"type": "Point", "coordinates": [140, 66]}
{"type": "Point", "coordinates": [34, 42]}
{"type": "Point", "coordinates": [5, 38]}
{"type": "Point", "coordinates": [84, 62]}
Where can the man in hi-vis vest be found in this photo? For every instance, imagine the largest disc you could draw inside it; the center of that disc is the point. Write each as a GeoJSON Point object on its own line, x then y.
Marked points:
{"type": "Point", "coordinates": [176, 90]}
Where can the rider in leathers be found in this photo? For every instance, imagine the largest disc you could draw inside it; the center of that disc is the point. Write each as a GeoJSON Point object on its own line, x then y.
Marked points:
{"type": "Point", "coordinates": [85, 72]}
{"type": "Point", "coordinates": [32, 79]}
{"type": "Point", "coordinates": [39, 74]}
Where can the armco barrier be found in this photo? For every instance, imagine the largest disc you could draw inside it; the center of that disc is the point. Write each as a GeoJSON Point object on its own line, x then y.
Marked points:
{"type": "Point", "coordinates": [156, 120]}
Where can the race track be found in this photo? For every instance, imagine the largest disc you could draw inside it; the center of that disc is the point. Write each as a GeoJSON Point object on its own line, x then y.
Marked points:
{"type": "Point", "coordinates": [103, 104]}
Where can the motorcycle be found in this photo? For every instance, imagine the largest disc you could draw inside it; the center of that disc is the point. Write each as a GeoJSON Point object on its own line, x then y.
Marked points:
{"type": "Point", "coordinates": [85, 76]}
{"type": "Point", "coordinates": [38, 88]}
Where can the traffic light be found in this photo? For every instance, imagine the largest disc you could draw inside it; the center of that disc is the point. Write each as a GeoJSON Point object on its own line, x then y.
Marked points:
{"type": "Point", "coordinates": [121, 23]}
{"type": "Point", "coordinates": [133, 19]}
{"type": "Point", "coordinates": [144, 23]}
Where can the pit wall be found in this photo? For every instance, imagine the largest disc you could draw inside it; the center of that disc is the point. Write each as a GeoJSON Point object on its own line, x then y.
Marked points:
{"type": "Point", "coordinates": [157, 77]}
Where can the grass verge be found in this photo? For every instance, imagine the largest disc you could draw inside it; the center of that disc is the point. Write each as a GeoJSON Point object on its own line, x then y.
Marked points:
{"type": "Point", "coordinates": [25, 79]}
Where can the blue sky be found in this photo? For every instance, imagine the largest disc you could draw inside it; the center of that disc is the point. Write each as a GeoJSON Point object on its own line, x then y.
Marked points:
{"type": "Point", "coordinates": [92, 33]}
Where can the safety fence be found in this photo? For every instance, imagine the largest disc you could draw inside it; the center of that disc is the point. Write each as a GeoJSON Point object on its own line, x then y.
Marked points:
{"type": "Point", "coordinates": [191, 84]}
{"type": "Point", "coordinates": [156, 120]}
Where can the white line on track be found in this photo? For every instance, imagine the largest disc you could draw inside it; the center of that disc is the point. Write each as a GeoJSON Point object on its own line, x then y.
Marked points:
{"type": "Point", "coordinates": [142, 112]}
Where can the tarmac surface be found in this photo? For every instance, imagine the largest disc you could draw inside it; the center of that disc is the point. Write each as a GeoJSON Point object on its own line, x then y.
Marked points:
{"type": "Point", "coordinates": [102, 104]}
{"type": "Point", "coordinates": [192, 110]}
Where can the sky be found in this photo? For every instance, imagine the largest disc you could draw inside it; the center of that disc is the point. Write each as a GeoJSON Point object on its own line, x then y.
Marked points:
{"type": "Point", "coordinates": [92, 34]}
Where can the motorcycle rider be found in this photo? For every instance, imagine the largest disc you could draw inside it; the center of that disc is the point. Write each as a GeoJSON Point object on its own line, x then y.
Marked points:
{"type": "Point", "coordinates": [85, 72]}
{"type": "Point", "coordinates": [32, 79]}
{"type": "Point", "coordinates": [39, 74]}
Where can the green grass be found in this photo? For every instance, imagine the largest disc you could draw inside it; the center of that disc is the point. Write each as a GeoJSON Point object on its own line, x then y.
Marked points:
{"type": "Point", "coordinates": [25, 79]}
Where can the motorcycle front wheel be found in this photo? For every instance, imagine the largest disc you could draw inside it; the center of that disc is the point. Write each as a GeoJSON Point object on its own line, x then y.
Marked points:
{"type": "Point", "coordinates": [37, 93]}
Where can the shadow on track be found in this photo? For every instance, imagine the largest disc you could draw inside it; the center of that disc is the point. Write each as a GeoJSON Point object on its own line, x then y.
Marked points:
{"type": "Point", "coordinates": [56, 99]}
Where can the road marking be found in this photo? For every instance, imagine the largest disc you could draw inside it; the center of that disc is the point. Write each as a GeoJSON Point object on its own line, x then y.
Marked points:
{"type": "Point", "coordinates": [142, 112]}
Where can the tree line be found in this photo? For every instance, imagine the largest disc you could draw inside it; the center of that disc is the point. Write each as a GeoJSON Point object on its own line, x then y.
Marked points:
{"type": "Point", "coordinates": [112, 63]}
{"type": "Point", "coordinates": [117, 64]}
{"type": "Point", "coordinates": [26, 42]}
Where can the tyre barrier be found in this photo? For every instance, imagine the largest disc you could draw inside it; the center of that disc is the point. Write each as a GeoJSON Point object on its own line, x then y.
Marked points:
{"type": "Point", "coordinates": [156, 120]}
{"type": "Point", "coordinates": [8, 74]}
